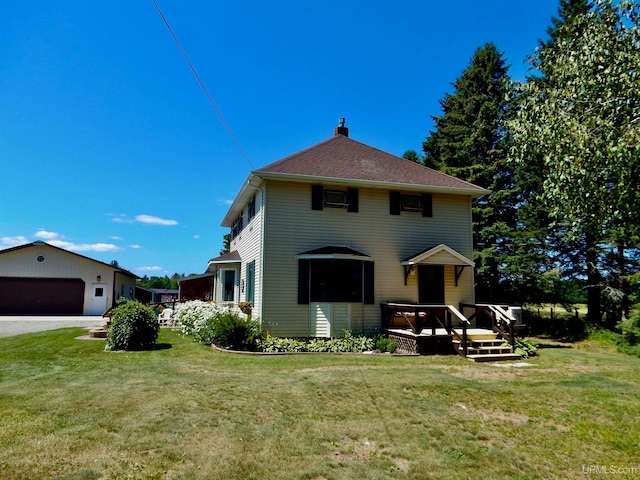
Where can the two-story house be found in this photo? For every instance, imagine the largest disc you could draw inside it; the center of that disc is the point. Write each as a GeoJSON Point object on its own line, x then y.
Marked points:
{"type": "Point", "coordinates": [322, 237]}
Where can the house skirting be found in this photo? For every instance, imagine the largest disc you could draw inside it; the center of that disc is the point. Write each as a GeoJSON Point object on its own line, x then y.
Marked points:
{"type": "Point", "coordinates": [422, 343]}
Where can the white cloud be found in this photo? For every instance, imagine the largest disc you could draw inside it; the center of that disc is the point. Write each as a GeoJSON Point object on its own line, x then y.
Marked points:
{"type": "Point", "coordinates": [115, 237]}
{"type": "Point", "coordinates": [55, 239]}
{"type": "Point", "coordinates": [135, 246]}
{"type": "Point", "coordinates": [85, 247]}
{"type": "Point", "coordinates": [44, 235]}
{"type": "Point", "coordinates": [196, 237]}
{"type": "Point", "coordinates": [119, 218]}
{"type": "Point", "coordinates": [151, 220]}
{"type": "Point", "coordinates": [149, 269]}
{"type": "Point", "coordinates": [146, 219]}
{"type": "Point", "coordinates": [8, 242]}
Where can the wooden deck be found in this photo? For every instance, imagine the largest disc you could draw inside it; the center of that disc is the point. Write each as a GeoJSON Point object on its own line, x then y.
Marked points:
{"type": "Point", "coordinates": [431, 342]}
{"type": "Point", "coordinates": [441, 329]}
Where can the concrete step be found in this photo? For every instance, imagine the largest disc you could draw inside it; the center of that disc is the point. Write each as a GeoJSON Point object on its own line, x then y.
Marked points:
{"type": "Point", "coordinates": [98, 333]}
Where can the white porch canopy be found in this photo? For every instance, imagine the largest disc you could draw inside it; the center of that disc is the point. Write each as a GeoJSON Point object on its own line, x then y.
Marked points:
{"type": "Point", "coordinates": [439, 255]}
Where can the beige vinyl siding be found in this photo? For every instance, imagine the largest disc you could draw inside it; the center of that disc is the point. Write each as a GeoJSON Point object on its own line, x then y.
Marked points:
{"type": "Point", "coordinates": [248, 244]}
{"type": "Point", "coordinates": [125, 286]}
{"type": "Point", "coordinates": [292, 227]}
{"type": "Point", "coordinates": [62, 264]}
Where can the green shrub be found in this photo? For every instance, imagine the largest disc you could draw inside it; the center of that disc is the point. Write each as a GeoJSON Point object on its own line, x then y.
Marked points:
{"type": "Point", "coordinates": [133, 326]}
{"type": "Point", "coordinates": [347, 343]}
{"type": "Point", "coordinates": [385, 344]}
{"type": "Point", "coordinates": [235, 332]}
{"type": "Point", "coordinates": [194, 315]}
{"type": "Point", "coordinates": [629, 341]}
{"type": "Point", "coordinates": [276, 344]}
{"type": "Point", "coordinates": [631, 329]}
{"type": "Point", "coordinates": [525, 348]}
{"type": "Point", "coordinates": [204, 330]}
{"type": "Point", "coordinates": [318, 345]}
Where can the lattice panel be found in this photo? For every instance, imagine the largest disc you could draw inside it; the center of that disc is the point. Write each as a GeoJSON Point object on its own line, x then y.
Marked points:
{"type": "Point", "coordinates": [405, 345]}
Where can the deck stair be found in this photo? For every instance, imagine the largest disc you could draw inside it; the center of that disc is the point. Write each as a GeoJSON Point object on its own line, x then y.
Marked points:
{"type": "Point", "coordinates": [486, 347]}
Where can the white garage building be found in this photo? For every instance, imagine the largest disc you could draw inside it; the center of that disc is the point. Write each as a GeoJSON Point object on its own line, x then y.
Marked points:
{"type": "Point", "coordinates": [40, 279]}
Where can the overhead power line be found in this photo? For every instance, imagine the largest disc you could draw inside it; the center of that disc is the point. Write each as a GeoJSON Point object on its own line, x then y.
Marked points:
{"type": "Point", "coordinates": [206, 92]}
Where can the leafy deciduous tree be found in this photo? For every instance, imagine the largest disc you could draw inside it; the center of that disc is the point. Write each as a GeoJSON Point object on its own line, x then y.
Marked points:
{"type": "Point", "coordinates": [583, 121]}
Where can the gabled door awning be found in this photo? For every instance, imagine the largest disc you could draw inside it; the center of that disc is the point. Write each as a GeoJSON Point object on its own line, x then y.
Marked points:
{"type": "Point", "coordinates": [334, 252]}
{"type": "Point", "coordinates": [227, 258]}
{"type": "Point", "coordinates": [438, 255]}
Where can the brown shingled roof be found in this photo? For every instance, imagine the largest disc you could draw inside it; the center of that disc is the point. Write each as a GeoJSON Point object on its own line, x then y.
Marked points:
{"type": "Point", "coordinates": [343, 158]}
{"type": "Point", "coordinates": [228, 257]}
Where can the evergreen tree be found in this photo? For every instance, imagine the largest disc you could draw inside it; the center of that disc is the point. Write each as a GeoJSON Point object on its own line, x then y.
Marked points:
{"type": "Point", "coordinates": [226, 244]}
{"type": "Point", "coordinates": [470, 142]}
{"type": "Point", "coordinates": [568, 11]}
{"type": "Point", "coordinates": [413, 156]}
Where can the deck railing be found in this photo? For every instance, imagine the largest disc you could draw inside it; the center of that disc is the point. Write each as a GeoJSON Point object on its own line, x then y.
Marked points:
{"type": "Point", "coordinates": [502, 322]}
{"type": "Point", "coordinates": [416, 315]}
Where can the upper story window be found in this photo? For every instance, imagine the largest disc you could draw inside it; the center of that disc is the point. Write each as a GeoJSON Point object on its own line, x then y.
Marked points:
{"type": "Point", "coordinates": [237, 227]}
{"type": "Point", "coordinates": [401, 202]}
{"type": "Point", "coordinates": [334, 198]}
{"type": "Point", "coordinates": [251, 209]}
{"type": "Point", "coordinates": [410, 203]}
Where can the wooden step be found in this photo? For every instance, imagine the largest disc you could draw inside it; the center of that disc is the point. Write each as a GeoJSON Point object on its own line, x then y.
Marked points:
{"type": "Point", "coordinates": [495, 342]}
{"type": "Point", "coordinates": [494, 357]}
{"type": "Point", "coordinates": [482, 336]}
{"type": "Point", "coordinates": [474, 350]}
{"type": "Point", "coordinates": [486, 350]}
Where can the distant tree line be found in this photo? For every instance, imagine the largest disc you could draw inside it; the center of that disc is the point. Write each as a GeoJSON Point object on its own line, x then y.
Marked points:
{"type": "Point", "coordinates": [560, 154]}
{"type": "Point", "coordinates": [166, 282]}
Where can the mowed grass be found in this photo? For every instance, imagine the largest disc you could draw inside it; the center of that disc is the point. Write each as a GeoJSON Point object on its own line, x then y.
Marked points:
{"type": "Point", "coordinates": [68, 410]}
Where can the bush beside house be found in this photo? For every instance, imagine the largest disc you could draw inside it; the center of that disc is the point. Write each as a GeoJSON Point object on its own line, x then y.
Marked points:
{"type": "Point", "coordinates": [231, 328]}
{"type": "Point", "coordinates": [133, 326]}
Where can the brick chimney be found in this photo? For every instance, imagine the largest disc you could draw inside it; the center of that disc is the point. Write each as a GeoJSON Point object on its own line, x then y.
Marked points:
{"type": "Point", "coordinates": [341, 129]}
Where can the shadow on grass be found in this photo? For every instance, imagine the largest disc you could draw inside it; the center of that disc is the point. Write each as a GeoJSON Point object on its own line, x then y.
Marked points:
{"type": "Point", "coordinates": [157, 346]}
{"type": "Point", "coordinates": [84, 474]}
{"type": "Point", "coordinates": [553, 345]}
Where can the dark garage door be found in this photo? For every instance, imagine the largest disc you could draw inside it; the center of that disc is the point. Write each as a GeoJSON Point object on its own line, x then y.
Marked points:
{"type": "Point", "coordinates": [41, 296]}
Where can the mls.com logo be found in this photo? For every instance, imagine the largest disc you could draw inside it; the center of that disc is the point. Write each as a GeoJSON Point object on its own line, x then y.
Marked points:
{"type": "Point", "coordinates": [609, 470]}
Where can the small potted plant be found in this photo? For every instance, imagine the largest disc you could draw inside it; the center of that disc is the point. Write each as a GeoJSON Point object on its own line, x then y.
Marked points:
{"type": "Point", "coordinates": [245, 307]}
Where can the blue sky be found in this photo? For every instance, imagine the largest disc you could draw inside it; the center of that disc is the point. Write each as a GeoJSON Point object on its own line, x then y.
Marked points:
{"type": "Point", "coordinates": [109, 147]}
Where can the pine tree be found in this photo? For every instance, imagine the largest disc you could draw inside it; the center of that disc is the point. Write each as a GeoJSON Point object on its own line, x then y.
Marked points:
{"type": "Point", "coordinates": [470, 142]}
{"type": "Point", "coordinates": [568, 11]}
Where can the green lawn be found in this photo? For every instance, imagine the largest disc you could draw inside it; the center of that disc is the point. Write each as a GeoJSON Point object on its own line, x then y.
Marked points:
{"type": "Point", "coordinates": [68, 410]}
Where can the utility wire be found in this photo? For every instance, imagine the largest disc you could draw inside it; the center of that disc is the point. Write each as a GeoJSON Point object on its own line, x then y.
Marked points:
{"type": "Point", "coordinates": [195, 73]}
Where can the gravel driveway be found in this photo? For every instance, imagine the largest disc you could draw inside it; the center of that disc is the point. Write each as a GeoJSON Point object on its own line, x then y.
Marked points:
{"type": "Point", "coordinates": [17, 325]}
